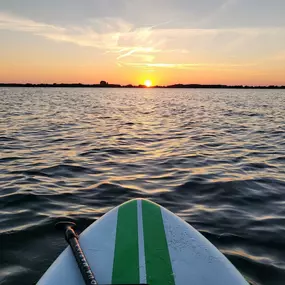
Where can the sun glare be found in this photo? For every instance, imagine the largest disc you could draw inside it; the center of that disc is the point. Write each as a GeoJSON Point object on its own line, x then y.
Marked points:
{"type": "Point", "coordinates": [148, 83]}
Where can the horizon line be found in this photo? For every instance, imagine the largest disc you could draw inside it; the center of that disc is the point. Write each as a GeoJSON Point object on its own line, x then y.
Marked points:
{"type": "Point", "coordinates": [104, 84]}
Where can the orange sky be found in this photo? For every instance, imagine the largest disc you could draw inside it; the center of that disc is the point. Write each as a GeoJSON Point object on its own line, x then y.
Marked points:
{"type": "Point", "coordinates": [44, 72]}
{"type": "Point", "coordinates": [216, 48]}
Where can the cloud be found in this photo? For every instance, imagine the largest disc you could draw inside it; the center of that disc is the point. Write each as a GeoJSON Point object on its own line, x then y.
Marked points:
{"type": "Point", "coordinates": [156, 47]}
{"type": "Point", "coordinates": [15, 23]}
{"type": "Point", "coordinates": [140, 52]}
{"type": "Point", "coordinates": [186, 65]}
{"type": "Point", "coordinates": [101, 34]}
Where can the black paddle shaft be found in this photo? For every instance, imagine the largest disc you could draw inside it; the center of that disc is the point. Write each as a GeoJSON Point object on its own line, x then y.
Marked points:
{"type": "Point", "coordinates": [72, 238]}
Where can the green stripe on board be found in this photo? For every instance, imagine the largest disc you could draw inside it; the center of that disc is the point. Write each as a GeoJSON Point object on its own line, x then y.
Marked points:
{"type": "Point", "coordinates": [126, 257]}
{"type": "Point", "coordinates": [158, 264]}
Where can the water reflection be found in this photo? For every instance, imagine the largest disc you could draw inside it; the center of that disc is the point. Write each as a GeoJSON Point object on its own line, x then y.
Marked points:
{"type": "Point", "coordinates": [214, 157]}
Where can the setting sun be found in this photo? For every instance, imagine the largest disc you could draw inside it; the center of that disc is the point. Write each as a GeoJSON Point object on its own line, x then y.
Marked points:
{"type": "Point", "coordinates": [148, 83]}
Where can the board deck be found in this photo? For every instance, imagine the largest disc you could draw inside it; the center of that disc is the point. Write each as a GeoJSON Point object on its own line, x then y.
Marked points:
{"type": "Point", "coordinates": [141, 242]}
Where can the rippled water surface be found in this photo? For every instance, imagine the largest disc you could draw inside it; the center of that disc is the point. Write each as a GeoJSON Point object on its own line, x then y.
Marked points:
{"type": "Point", "coordinates": [214, 157]}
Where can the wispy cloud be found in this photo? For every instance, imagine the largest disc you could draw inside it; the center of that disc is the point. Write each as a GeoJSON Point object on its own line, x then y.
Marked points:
{"type": "Point", "coordinates": [101, 34]}
{"type": "Point", "coordinates": [186, 65]}
{"type": "Point", "coordinates": [16, 23]}
{"type": "Point", "coordinates": [153, 47]}
{"type": "Point", "coordinates": [140, 52]}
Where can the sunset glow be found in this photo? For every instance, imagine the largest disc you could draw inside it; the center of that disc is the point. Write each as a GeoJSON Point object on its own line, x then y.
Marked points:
{"type": "Point", "coordinates": [219, 42]}
{"type": "Point", "coordinates": [148, 83]}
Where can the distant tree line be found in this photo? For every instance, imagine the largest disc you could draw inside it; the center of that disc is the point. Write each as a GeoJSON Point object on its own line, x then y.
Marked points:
{"type": "Point", "coordinates": [105, 84]}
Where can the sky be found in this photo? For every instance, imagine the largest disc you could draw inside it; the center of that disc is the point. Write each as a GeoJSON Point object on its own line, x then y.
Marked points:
{"type": "Point", "coordinates": [130, 41]}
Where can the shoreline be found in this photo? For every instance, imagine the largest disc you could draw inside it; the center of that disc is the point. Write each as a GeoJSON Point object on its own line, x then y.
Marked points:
{"type": "Point", "coordinates": [185, 86]}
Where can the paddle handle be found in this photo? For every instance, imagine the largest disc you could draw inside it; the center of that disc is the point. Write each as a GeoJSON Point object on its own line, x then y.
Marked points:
{"type": "Point", "coordinates": [87, 274]}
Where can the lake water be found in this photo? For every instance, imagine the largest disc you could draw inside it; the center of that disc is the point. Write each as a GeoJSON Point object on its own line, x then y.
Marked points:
{"type": "Point", "coordinates": [214, 157]}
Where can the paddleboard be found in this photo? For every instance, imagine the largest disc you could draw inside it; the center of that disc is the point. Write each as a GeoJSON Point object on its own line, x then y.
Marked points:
{"type": "Point", "coordinates": [140, 242]}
